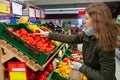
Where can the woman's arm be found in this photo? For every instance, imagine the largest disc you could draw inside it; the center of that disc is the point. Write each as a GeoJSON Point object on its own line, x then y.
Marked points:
{"type": "Point", "coordinates": [74, 39]}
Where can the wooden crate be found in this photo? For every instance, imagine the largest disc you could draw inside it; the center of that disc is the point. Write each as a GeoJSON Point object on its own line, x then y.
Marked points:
{"type": "Point", "coordinates": [8, 52]}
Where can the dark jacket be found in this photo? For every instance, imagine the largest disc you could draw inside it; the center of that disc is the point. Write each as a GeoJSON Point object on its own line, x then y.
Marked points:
{"type": "Point", "coordinates": [98, 64]}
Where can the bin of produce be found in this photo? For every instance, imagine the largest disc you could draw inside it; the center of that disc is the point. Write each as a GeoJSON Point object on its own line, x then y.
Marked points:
{"type": "Point", "coordinates": [15, 40]}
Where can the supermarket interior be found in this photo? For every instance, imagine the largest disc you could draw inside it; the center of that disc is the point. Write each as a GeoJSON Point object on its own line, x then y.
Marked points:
{"type": "Point", "coordinates": [49, 40]}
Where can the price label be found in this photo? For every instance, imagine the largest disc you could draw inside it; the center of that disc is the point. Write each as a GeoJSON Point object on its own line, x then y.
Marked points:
{"type": "Point", "coordinates": [37, 13]}
{"type": "Point", "coordinates": [17, 71]}
{"type": "Point", "coordinates": [42, 13]}
{"type": "Point", "coordinates": [31, 12]}
{"type": "Point", "coordinates": [18, 76]}
{"type": "Point", "coordinates": [5, 7]}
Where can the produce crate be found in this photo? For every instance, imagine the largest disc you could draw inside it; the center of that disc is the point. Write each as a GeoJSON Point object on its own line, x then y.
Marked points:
{"type": "Point", "coordinates": [67, 52]}
{"type": "Point", "coordinates": [73, 55]}
{"type": "Point", "coordinates": [56, 76]}
{"type": "Point", "coordinates": [27, 49]}
{"type": "Point", "coordinates": [45, 25]}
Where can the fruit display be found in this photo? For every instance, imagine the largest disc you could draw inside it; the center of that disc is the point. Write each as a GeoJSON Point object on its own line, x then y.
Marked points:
{"type": "Point", "coordinates": [41, 43]}
{"type": "Point", "coordinates": [46, 72]}
{"type": "Point", "coordinates": [64, 69]}
{"type": "Point", "coordinates": [45, 29]}
{"type": "Point", "coordinates": [84, 77]}
{"type": "Point", "coordinates": [40, 75]}
{"type": "Point", "coordinates": [75, 55]}
{"type": "Point", "coordinates": [36, 28]}
{"type": "Point", "coordinates": [33, 27]}
{"type": "Point", "coordinates": [23, 20]}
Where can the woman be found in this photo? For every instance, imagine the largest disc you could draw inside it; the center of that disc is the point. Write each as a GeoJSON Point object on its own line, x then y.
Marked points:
{"type": "Point", "coordinates": [99, 38]}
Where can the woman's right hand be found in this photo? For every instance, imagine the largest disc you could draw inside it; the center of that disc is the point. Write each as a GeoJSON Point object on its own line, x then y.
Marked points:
{"type": "Point", "coordinates": [43, 34]}
{"type": "Point", "coordinates": [75, 65]}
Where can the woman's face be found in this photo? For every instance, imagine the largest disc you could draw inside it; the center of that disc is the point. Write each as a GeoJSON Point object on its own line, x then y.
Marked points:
{"type": "Point", "coordinates": [88, 21]}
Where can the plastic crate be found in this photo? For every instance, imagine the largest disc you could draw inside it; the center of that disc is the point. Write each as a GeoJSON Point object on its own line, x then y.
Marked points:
{"type": "Point", "coordinates": [45, 25]}
{"type": "Point", "coordinates": [68, 55]}
{"type": "Point", "coordinates": [56, 76]}
{"type": "Point", "coordinates": [30, 51]}
{"type": "Point", "coordinates": [67, 52]}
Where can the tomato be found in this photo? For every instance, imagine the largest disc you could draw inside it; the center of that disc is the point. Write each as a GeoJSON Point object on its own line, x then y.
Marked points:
{"type": "Point", "coordinates": [31, 35]}
{"type": "Point", "coordinates": [37, 38]}
{"type": "Point", "coordinates": [23, 31]}
{"type": "Point", "coordinates": [42, 77]}
{"type": "Point", "coordinates": [30, 40]}
{"type": "Point", "coordinates": [24, 37]}
{"type": "Point", "coordinates": [76, 60]}
{"type": "Point", "coordinates": [38, 44]}
{"type": "Point", "coordinates": [66, 60]}
{"type": "Point", "coordinates": [45, 45]}
{"type": "Point", "coordinates": [49, 49]}
{"type": "Point", "coordinates": [46, 73]}
{"type": "Point", "coordinates": [33, 43]}
{"type": "Point", "coordinates": [37, 31]}
{"type": "Point", "coordinates": [18, 33]}
{"type": "Point", "coordinates": [32, 76]}
{"type": "Point", "coordinates": [10, 29]}
{"type": "Point", "coordinates": [43, 48]}
{"type": "Point", "coordinates": [43, 40]}
{"type": "Point", "coordinates": [49, 67]}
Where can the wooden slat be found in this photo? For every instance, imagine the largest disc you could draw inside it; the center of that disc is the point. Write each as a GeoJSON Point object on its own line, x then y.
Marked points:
{"type": "Point", "coordinates": [8, 46]}
{"type": "Point", "coordinates": [7, 57]}
{"type": "Point", "coordinates": [25, 58]}
{"type": "Point", "coordinates": [1, 66]}
{"type": "Point", "coordinates": [14, 50]}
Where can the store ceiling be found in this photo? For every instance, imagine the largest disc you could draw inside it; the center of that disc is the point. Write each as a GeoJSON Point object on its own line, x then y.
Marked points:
{"type": "Point", "coordinates": [50, 4]}
{"type": "Point", "coordinates": [55, 4]}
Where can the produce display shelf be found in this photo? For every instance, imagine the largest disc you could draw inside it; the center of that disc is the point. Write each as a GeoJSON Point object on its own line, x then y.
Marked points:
{"type": "Point", "coordinates": [14, 52]}
{"type": "Point", "coordinates": [30, 51]}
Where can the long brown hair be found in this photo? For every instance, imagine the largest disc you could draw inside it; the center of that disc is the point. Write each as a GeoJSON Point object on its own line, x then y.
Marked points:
{"type": "Point", "coordinates": [105, 29]}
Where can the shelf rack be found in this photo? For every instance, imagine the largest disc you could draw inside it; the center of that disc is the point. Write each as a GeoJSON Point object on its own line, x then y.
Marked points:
{"type": "Point", "coordinates": [8, 52]}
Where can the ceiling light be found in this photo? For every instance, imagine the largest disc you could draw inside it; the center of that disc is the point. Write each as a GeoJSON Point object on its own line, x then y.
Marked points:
{"type": "Point", "coordinates": [62, 12]}
{"type": "Point", "coordinates": [57, 9]}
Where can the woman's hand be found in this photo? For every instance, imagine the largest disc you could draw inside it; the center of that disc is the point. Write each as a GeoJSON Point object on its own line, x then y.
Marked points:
{"type": "Point", "coordinates": [75, 65]}
{"type": "Point", "coordinates": [43, 34]}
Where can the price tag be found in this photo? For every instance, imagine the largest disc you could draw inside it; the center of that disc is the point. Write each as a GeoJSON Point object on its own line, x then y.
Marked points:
{"type": "Point", "coordinates": [31, 12]}
{"type": "Point", "coordinates": [37, 13]}
{"type": "Point", "coordinates": [17, 71]}
{"type": "Point", "coordinates": [42, 13]}
{"type": "Point", "coordinates": [5, 7]}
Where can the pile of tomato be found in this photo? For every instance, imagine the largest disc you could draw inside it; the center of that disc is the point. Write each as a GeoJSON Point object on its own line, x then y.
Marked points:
{"type": "Point", "coordinates": [40, 75]}
{"type": "Point", "coordinates": [41, 43]}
